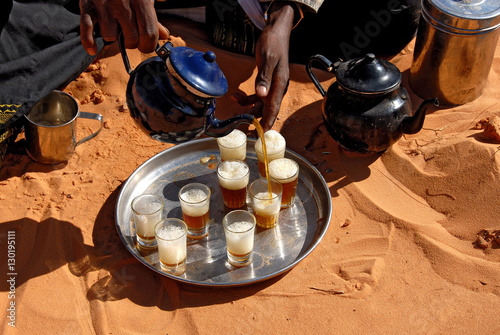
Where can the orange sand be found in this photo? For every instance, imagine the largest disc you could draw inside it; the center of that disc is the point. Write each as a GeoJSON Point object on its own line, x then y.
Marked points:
{"type": "Point", "coordinates": [401, 243]}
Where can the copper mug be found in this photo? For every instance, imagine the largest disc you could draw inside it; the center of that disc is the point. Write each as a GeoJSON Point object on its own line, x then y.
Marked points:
{"type": "Point", "coordinates": [51, 128]}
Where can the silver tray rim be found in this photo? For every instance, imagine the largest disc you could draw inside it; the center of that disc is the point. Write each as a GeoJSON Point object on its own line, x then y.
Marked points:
{"type": "Point", "coordinates": [322, 188]}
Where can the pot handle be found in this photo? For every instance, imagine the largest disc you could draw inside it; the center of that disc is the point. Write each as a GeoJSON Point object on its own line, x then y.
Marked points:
{"type": "Point", "coordinates": [91, 116]}
{"type": "Point", "coordinates": [162, 52]}
{"type": "Point", "coordinates": [323, 61]}
{"type": "Point", "coordinates": [123, 51]}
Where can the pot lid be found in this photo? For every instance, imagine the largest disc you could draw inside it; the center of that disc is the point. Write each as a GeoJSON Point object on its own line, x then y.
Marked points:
{"type": "Point", "coordinates": [475, 15]}
{"type": "Point", "coordinates": [368, 75]}
{"type": "Point", "coordinates": [197, 71]}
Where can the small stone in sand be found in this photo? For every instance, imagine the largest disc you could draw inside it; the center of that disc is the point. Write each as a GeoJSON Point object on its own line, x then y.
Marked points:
{"type": "Point", "coordinates": [491, 128]}
{"type": "Point", "coordinates": [488, 238]}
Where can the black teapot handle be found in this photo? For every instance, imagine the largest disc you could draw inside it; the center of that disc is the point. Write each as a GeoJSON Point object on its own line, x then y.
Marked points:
{"type": "Point", "coordinates": [323, 61]}
{"type": "Point", "coordinates": [163, 51]}
{"type": "Point", "coordinates": [123, 51]}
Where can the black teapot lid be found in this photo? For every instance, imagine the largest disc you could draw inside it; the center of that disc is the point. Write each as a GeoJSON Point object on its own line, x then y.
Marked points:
{"type": "Point", "coordinates": [198, 71]}
{"type": "Point", "coordinates": [368, 75]}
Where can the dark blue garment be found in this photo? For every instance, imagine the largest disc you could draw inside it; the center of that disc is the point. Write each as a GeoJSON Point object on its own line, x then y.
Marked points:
{"type": "Point", "coordinates": [40, 50]}
{"type": "Point", "coordinates": [351, 29]}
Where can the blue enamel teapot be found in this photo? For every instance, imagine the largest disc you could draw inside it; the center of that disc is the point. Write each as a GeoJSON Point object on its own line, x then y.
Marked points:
{"type": "Point", "coordinates": [172, 96]}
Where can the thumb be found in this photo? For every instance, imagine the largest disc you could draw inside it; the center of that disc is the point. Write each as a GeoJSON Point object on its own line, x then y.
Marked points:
{"type": "Point", "coordinates": [262, 82]}
{"type": "Point", "coordinates": [261, 90]}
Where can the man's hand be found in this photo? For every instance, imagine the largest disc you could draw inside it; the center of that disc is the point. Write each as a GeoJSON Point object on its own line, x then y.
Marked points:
{"type": "Point", "coordinates": [135, 18]}
{"type": "Point", "coordinates": [271, 56]}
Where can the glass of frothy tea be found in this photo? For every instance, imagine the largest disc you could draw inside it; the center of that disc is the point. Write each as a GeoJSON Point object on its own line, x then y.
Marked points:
{"type": "Point", "coordinates": [195, 205]}
{"type": "Point", "coordinates": [286, 172]}
{"type": "Point", "coordinates": [233, 176]}
{"type": "Point", "coordinates": [172, 245]}
{"type": "Point", "coordinates": [146, 213]}
{"type": "Point", "coordinates": [239, 228]}
{"type": "Point", "coordinates": [275, 148]}
{"type": "Point", "coordinates": [265, 199]}
{"type": "Point", "coordinates": [233, 146]}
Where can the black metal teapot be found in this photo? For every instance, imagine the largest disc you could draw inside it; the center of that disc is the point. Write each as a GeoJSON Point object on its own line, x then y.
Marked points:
{"type": "Point", "coordinates": [367, 110]}
{"type": "Point", "coordinates": [172, 95]}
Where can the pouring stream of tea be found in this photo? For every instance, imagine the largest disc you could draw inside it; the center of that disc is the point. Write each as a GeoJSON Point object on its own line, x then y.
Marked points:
{"type": "Point", "coordinates": [260, 132]}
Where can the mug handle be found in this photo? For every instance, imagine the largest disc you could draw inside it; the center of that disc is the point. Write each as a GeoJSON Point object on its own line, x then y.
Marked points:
{"type": "Point", "coordinates": [92, 116]}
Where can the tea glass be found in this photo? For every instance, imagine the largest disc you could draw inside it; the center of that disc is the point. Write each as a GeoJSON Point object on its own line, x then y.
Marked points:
{"type": "Point", "coordinates": [233, 146]}
{"type": "Point", "coordinates": [266, 201]}
{"type": "Point", "coordinates": [195, 205]}
{"type": "Point", "coordinates": [233, 176]}
{"type": "Point", "coordinates": [286, 172]}
{"type": "Point", "coordinates": [171, 235]}
{"type": "Point", "coordinates": [239, 229]}
{"type": "Point", "coordinates": [146, 213]}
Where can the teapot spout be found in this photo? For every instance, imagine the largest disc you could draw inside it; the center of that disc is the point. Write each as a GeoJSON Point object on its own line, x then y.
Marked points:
{"type": "Point", "coordinates": [413, 124]}
{"type": "Point", "coordinates": [219, 128]}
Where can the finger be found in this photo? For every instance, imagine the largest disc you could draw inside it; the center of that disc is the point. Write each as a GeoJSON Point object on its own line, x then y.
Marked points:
{"type": "Point", "coordinates": [266, 64]}
{"type": "Point", "coordinates": [269, 117]}
{"type": "Point", "coordinates": [272, 104]}
{"type": "Point", "coordinates": [262, 82]}
{"type": "Point", "coordinates": [109, 27]}
{"type": "Point", "coordinates": [127, 24]}
{"type": "Point", "coordinates": [129, 27]}
{"type": "Point", "coordinates": [147, 25]}
{"type": "Point", "coordinates": [87, 34]}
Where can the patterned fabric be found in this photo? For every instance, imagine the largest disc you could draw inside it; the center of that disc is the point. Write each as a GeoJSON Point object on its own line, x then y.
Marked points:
{"type": "Point", "coordinates": [7, 135]}
{"type": "Point", "coordinates": [231, 28]}
{"type": "Point", "coordinates": [312, 5]}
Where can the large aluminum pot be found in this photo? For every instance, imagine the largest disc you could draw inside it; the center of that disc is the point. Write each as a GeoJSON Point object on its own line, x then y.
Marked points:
{"type": "Point", "coordinates": [454, 49]}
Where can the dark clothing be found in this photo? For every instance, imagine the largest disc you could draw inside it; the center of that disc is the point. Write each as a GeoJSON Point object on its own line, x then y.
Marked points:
{"type": "Point", "coordinates": [351, 29]}
{"type": "Point", "coordinates": [40, 51]}
{"type": "Point", "coordinates": [340, 29]}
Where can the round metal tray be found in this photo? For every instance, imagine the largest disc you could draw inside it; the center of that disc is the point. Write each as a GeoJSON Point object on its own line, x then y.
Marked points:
{"type": "Point", "coordinates": [301, 227]}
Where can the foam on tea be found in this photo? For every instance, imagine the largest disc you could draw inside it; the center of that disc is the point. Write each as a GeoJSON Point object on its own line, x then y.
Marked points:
{"type": "Point", "coordinates": [273, 147]}
{"type": "Point", "coordinates": [169, 232]}
{"type": "Point", "coordinates": [240, 244]}
{"type": "Point", "coordinates": [283, 169]}
{"type": "Point", "coordinates": [195, 198]}
{"type": "Point", "coordinates": [234, 175]}
{"type": "Point", "coordinates": [265, 204]}
{"type": "Point", "coordinates": [275, 144]}
{"type": "Point", "coordinates": [286, 172]}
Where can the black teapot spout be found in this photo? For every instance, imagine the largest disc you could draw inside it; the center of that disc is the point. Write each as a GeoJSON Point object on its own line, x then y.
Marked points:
{"type": "Point", "coordinates": [413, 124]}
{"type": "Point", "coordinates": [219, 128]}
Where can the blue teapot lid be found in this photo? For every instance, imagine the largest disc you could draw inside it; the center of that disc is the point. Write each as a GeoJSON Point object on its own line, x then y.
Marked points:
{"type": "Point", "coordinates": [197, 71]}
